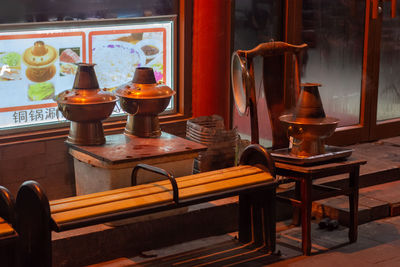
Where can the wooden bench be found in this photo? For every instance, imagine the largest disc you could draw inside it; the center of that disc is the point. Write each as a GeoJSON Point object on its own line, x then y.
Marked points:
{"type": "Point", "coordinates": [8, 236]}
{"type": "Point", "coordinates": [253, 180]}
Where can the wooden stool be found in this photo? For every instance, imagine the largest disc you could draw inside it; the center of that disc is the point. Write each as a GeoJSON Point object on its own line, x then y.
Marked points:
{"type": "Point", "coordinates": [304, 176]}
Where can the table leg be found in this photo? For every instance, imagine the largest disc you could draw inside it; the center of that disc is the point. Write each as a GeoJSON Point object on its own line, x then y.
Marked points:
{"type": "Point", "coordinates": [306, 201]}
{"type": "Point", "coordinates": [353, 201]}
{"type": "Point", "coordinates": [296, 210]}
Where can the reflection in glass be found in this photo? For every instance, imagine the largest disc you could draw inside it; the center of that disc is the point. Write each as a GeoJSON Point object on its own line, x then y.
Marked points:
{"type": "Point", "coordinates": [334, 32]}
{"type": "Point", "coordinates": [389, 78]}
{"type": "Point", "coordinates": [256, 22]}
{"type": "Point", "coordinates": [18, 11]}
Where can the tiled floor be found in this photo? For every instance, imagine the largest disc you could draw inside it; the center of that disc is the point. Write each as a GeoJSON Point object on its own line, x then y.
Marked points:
{"type": "Point", "coordinates": [375, 202]}
{"type": "Point", "coordinates": [378, 245]}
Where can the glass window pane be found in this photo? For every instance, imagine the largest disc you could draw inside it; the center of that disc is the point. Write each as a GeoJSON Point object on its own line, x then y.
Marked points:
{"type": "Point", "coordinates": [334, 31]}
{"type": "Point", "coordinates": [27, 100]}
{"type": "Point", "coordinates": [256, 22]}
{"type": "Point", "coordinates": [389, 78]}
{"type": "Point", "coordinates": [38, 63]}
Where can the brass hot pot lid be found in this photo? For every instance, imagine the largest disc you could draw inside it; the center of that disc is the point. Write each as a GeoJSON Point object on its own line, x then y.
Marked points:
{"type": "Point", "coordinates": [85, 89]}
{"type": "Point", "coordinates": [293, 119]}
{"type": "Point", "coordinates": [144, 86]}
{"type": "Point", "coordinates": [85, 96]}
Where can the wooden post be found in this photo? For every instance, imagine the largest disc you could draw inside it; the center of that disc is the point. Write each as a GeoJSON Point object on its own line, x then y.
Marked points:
{"type": "Point", "coordinates": [245, 218]}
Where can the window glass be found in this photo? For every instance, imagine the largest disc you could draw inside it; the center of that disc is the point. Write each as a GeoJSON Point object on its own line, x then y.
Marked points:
{"type": "Point", "coordinates": [334, 32]}
{"type": "Point", "coordinates": [117, 47]}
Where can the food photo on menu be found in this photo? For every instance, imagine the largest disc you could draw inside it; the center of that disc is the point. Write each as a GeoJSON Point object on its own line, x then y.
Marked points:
{"type": "Point", "coordinates": [68, 59]}
{"type": "Point", "coordinates": [41, 91]}
{"type": "Point", "coordinates": [10, 66]}
{"type": "Point", "coordinates": [40, 68]}
{"type": "Point", "coordinates": [39, 60]}
{"type": "Point", "coordinates": [118, 55]}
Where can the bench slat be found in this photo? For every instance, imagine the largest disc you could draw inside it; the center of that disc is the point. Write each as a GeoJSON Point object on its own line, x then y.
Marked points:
{"type": "Point", "coordinates": [152, 188]}
{"type": "Point", "coordinates": [107, 208]}
{"type": "Point", "coordinates": [159, 198]}
{"type": "Point", "coordinates": [109, 198]}
{"type": "Point", "coordinates": [217, 186]}
{"type": "Point", "coordinates": [6, 229]}
{"type": "Point", "coordinates": [143, 186]}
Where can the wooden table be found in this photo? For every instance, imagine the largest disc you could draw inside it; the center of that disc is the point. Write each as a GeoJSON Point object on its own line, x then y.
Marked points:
{"type": "Point", "coordinates": [109, 166]}
{"type": "Point", "coordinates": [304, 177]}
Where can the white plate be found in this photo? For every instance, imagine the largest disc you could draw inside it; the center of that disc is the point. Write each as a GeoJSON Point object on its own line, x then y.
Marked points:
{"type": "Point", "coordinates": [116, 62]}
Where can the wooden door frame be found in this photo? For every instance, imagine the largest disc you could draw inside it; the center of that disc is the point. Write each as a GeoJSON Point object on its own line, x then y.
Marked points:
{"type": "Point", "coordinates": [387, 128]}
{"type": "Point", "coordinates": [367, 129]}
{"type": "Point", "coordinates": [361, 132]}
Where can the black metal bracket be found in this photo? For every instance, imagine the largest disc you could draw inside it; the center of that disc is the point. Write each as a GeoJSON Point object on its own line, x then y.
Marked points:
{"type": "Point", "coordinates": [255, 154]}
{"type": "Point", "coordinates": [158, 171]}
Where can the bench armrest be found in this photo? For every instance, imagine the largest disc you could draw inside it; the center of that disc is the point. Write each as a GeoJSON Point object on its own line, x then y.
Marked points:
{"type": "Point", "coordinates": [158, 171]}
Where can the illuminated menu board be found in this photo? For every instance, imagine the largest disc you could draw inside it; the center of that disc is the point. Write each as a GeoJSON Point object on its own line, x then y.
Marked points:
{"type": "Point", "coordinates": [36, 65]}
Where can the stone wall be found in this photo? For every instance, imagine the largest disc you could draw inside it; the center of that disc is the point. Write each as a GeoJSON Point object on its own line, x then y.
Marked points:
{"type": "Point", "coordinates": [47, 162]}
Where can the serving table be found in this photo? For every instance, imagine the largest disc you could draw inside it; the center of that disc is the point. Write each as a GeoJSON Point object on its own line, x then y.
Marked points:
{"type": "Point", "coordinates": [109, 166]}
{"type": "Point", "coordinates": [305, 191]}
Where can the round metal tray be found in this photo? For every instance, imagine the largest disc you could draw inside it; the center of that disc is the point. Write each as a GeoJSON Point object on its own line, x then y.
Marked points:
{"type": "Point", "coordinates": [331, 152]}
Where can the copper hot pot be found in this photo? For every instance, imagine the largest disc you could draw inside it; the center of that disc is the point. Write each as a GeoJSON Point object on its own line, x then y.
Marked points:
{"type": "Point", "coordinates": [143, 99]}
{"type": "Point", "coordinates": [86, 105]}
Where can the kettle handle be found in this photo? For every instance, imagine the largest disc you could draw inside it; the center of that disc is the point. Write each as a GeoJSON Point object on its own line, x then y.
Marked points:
{"type": "Point", "coordinates": [291, 130]}
{"type": "Point", "coordinates": [272, 49]}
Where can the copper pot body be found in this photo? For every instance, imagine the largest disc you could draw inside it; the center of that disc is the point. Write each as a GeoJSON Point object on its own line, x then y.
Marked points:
{"type": "Point", "coordinates": [86, 113]}
{"type": "Point", "coordinates": [142, 118]}
{"type": "Point", "coordinates": [144, 106]}
{"type": "Point", "coordinates": [308, 134]}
